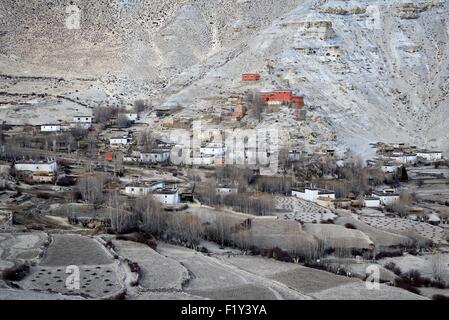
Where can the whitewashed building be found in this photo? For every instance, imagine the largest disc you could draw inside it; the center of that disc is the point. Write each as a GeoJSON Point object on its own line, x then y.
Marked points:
{"type": "Point", "coordinates": [213, 149]}
{"type": "Point", "coordinates": [50, 128]}
{"type": "Point", "coordinates": [294, 155]}
{"type": "Point", "coordinates": [372, 202]}
{"type": "Point", "coordinates": [133, 117]}
{"type": "Point", "coordinates": [155, 156]}
{"type": "Point", "coordinates": [118, 141]}
{"type": "Point", "coordinates": [389, 167]}
{"type": "Point", "coordinates": [48, 165]}
{"type": "Point", "coordinates": [82, 121]}
{"type": "Point", "coordinates": [226, 190]}
{"type": "Point", "coordinates": [167, 196]}
{"type": "Point", "coordinates": [140, 189]}
{"type": "Point", "coordinates": [205, 160]}
{"type": "Point", "coordinates": [404, 158]}
{"type": "Point", "coordinates": [430, 155]}
{"type": "Point", "coordinates": [387, 197]}
{"type": "Point", "coordinates": [312, 194]}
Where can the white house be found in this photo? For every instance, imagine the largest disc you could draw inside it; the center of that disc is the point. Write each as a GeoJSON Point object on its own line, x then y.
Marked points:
{"type": "Point", "coordinates": [389, 167]}
{"type": "Point", "coordinates": [312, 194]}
{"type": "Point", "coordinates": [118, 141]}
{"type": "Point", "coordinates": [142, 189]}
{"type": "Point", "coordinates": [48, 165]}
{"type": "Point", "coordinates": [213, 149]}
{"type": "Point", "coordinates": [386, 197]}
{"type": "Point", "coordinates": [133, 117]}
{"type": "Point", "coordinates": [226, 190]}
{"type": "Point", "coordinates": [372, 202]}
{"type": "Point", "coordinates": [294, 155]}
{"type": "Point", "coordinates": [155, 156]}
{"type": "Point", "coordinates": [205, 160]}
{"type": "Point", "coordinates": [430, 155]}
{"type": "Point", "coordinates": [82, 121]}
{"type": "Point", "coordinates": [404, 159]}
{"type": "Point", "coordinates": [167, 196]}
{"type": "Point", "coordinates": [50, 128]}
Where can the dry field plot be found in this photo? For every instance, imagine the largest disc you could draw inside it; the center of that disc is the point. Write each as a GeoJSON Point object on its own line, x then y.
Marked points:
{"type": "Point", "coordinates": [358, 290]}
{"type": "Point", "coordinates": [302, 210]}
{"type": "Point", "coordinates": [380, 238]}
{"type": "Point", "coordinates": [309, 280]}
{"type": "Point", "coordinates": [71, 249]}
{"type": "Point", "coordinates": [427, 265]}
{"type": "Point", "coordinates": [216, 278]}
{"type": "Point", "coordinates": [16, 247]}
{"type": "Point", "coordinates": [285, 234]}
{"type": "Point", "coordinates": [336, 236]}
{"type": "Point", "coordinates": [98, 272]}
{"type": "Point", "coordinates": [13, 294]}
{"type": "Point", "coordinates": [157, 272]}
{"type": "Point", "coordinates": [434, 233]}
{"type": "Point", "coordinates": [95, 281]}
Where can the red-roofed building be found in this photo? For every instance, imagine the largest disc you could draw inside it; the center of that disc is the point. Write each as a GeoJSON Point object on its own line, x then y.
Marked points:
{"type": "Point", "coordinates": [250, 77]}
{"type": "Point", "coordinates": [298, 101]}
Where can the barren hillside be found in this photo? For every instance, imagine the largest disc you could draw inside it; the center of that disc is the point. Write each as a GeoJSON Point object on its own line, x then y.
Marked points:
{"type": "Point", "coordinates": [370, 70]}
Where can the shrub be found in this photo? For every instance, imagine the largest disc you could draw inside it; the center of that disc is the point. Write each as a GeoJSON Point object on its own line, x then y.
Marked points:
{"type": "Point", "coordinates": [140, 238]}
{"type": "Point", "coordinates": [439, 284]}
{"type": "Point", "coordinates": [393, 268]}
{"type": "Point", "coordinates": [388, 254]}
{"type": "Point", "coordinates": [279, 254]}
{"type": "Point", "coordinates": [255, 251]}
{"type": "Point", "coordinates": [134, 267]}
{"type": "Point", "coordinates": [43, 195]}
{"type": "Point", "coordinates": [110, 245]}
{"type": "Point", "coordinates": [350, 226]}
{"type": "Point", "coordinates": [66, 181]}
{"type": "Point", "coordinates": [16, 273]}
{"type": "Point", "coordinates": [404, 284]}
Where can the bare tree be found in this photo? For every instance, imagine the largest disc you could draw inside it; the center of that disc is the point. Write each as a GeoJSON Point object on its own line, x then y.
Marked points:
{"type": "Point", "coordinates": [147, 141]}
{"type": "Point", "coordinates": [91, 188]}
{"type": "Point", "coordinates": [438, 267]}
{"type": "Point", "coordinates": [186, 228]}
{"type": "Point", "coordinates": [103, 114]}
{"type": "Point", "coordinates": [123, 121]}
{"type": "Point", "coordinates": [121, 220]}
{"type": "Point", "coordinates": [140, 106]}
{"type": "Point", "coordinates": [152, 219]}
{"type": "Point", "coordinates": [257, 106]}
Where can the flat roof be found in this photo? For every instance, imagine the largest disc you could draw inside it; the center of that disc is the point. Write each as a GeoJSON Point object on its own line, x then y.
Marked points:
{"type": "Point", "coordinates": [385, 194]}
{"type": "Point", "coordinates": [165, 191]}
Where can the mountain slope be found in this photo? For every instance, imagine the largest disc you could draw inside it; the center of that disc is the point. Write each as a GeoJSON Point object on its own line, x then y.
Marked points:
{"type": "Point", "coordinates": [370, 70]}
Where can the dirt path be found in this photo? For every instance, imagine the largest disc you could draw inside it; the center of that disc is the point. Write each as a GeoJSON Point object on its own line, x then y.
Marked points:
{"type": "Point", "coordinates": [211, 276]}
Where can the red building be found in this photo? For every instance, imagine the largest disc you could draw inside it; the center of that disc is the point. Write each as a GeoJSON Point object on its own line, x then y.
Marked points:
{"type": "Point", "coordinates": [298, 101]}
{"type": "Point", "coordinates": [109, 156]}
{"type": "Point", "coordinates": [281, 95]}
{"type": "Point", "coordinates": [250, 77]}
{"type": "Point", "coordinates": [239, 109]}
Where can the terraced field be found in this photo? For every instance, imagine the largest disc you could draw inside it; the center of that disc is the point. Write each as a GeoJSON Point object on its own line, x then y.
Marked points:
{"type": "Point", "coordinates": [435, 233]}
{"type": "Point", "coordinates": [301, 210]}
